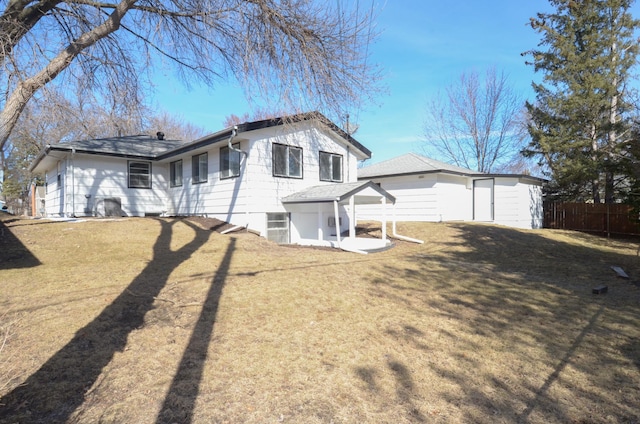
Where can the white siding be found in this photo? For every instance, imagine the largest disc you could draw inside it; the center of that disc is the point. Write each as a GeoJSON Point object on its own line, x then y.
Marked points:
{"type": "Point", "coordinates": [55, 190]}
{"type": "Point", "coordinates": [444, 197]}
{"type": "Point", "coordinates": [428, 197]}
{"type": "Point", "coordinates": [243, 200]}
{"type": "Point", "coordinates": [455, 198]}
{"type": "Point", "coordinates": [247, 199]}
{"type": "Point", "coordinates": [86, 179]}
{"type": "Point", "coordinates": [517, 204]}
{"type": "Point", "coordinates": [108, 178]}
{"type": "Point", "coordinates": [310, 222]}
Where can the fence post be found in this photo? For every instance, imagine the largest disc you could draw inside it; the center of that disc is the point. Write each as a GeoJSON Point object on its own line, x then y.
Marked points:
{"type": "Point", "coordinates": [608, 221]}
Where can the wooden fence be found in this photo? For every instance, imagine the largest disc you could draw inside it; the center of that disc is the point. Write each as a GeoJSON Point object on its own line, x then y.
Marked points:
{"type": "Point", "coordinates": [605, 219]}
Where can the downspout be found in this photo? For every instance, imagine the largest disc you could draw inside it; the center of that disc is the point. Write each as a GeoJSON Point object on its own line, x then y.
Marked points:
{"type": "Point", "coordinates": [73, 185]}
{"type": "Point", "coordinates": [398, 236]}
{"type": "Point", "coordinates": [234, 132]}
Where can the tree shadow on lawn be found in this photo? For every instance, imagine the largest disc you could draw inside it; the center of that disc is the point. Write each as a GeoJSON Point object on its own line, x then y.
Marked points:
{"type": "Point", "coordinates": [180, 401]}
{"type": "Point", "coordinates": [13, 253]}
{"type": "Point", "coordinates": [521, 292]}
{"type": "Point", "coordinates": [58, 388]}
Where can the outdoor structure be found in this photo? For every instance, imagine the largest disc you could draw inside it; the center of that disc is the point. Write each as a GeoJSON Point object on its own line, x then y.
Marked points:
{"type": "Point", "coordinates": [430, 190]}
{"type": "Point", "coordinates": [37, 195]}
{"type": "Point", "coordinates": [292, 180]}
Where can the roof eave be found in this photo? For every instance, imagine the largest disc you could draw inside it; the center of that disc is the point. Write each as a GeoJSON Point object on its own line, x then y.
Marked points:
{"type": "Point", "coordinates": [41, 155]}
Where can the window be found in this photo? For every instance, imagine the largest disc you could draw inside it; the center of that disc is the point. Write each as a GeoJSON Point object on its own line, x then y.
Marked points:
{"type": "Point", "coordinates": [139, 174]}
{"type": "Point", "coordinates": [59, 176]}
{"type": "Point", "coordinates": [287, 161]}
{"type": "Point", "coordinates": [330, 167]}
{"type": "Point", "coordinates": [200, 168]}
{"type": "Point", "coordinates": [230, 161]}
{"type": "Point", "coordinates": [175, 173]}
{"type": "Point", "coordinates": [278, 227]}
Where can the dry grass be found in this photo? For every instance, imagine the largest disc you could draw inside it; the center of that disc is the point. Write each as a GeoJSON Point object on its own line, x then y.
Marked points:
{"type": "Point", "coordinates": [166, 321]}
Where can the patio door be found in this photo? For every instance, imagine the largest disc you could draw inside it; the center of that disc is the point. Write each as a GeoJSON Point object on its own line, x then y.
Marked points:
{"type": "Point", "coordinates": [483, 200]}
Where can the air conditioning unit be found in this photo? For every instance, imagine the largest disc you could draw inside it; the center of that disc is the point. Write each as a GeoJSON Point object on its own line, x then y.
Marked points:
{"type": "Point", "coordinates": [332, 221]}
{"type": "Point", "coordinates": [108, 206]}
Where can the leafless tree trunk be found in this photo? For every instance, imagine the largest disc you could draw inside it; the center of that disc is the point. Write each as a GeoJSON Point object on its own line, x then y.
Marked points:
{"type": "Point", "coordinates": [476, 125]}
{"type": "Point", "coordinates": [300, 54]}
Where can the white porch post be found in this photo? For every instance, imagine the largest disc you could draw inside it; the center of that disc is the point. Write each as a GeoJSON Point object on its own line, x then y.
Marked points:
{"type": "Point", "coordinates": [352, 218]}
{"type": "Point", "coordinates": [384, 218]}
{"type": "Point", "coordinates": [337, 216]}
{"type": "Point", "coordinates": [319, 210]}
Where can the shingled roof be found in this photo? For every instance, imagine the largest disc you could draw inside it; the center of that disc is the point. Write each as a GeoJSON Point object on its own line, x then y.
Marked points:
{"type": "Point", "coordinates": [142, 146]}
{"type": "Point", "coordinates": [338, 192]}
{"type": "Point", "coordinates": [411, 163]}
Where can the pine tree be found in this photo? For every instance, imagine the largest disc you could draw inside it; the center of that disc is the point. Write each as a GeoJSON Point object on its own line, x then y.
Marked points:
{"type": "Point", "coordinates": [581, 118]}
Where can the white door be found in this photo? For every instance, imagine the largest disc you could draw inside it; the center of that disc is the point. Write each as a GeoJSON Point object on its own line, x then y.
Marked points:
{"type": "Point", "coordinates": [483, 200]}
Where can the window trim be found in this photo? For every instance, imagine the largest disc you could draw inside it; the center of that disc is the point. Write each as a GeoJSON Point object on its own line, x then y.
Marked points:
{"type": "Point", "coordinates": [130, 174]}
{"type": "Point", "coordinates": [195, 160]}
{"type": "Point", "coordinates": [289, 148]}
{"type": "Point", "coordinates": [225, 150]}
{"type": "Point", "coordinates": [176, 180]}
{"type": "Point", "coordinates": [331, 157]}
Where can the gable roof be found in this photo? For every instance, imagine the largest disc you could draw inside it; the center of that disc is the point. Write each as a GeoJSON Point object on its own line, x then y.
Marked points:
{"type": "Point", "coordinates": [338, 192]}
{"type": "Point", "coordinates": [411, 163]}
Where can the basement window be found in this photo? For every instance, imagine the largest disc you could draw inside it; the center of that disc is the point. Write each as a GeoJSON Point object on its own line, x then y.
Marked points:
{"type": "Point", "coordinates": [278, 227]}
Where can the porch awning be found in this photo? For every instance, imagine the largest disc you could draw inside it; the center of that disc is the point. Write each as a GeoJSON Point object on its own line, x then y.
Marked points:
{"type": "Point", "coordinates": [364, 192]}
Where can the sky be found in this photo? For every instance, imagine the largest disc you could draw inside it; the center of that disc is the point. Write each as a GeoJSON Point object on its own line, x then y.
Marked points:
{"type": "Point", "coordinates": [423, 46]}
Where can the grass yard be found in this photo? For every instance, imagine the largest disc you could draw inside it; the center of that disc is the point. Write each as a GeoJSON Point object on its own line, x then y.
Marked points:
{"type": "Point", "coordinates": [167, 321]}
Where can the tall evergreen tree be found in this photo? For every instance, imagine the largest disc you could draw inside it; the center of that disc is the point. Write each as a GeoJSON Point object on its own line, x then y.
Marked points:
{"type": "Point", "coordinates": [582, 116]}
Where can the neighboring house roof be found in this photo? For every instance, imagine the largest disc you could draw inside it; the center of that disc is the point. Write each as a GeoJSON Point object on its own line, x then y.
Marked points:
{"type": "Point", "coordinates": [151, 148]}
{"type": "Point", "coordinates": [338, 192]}
{"type": "Point", "coordinates": [413, 163]}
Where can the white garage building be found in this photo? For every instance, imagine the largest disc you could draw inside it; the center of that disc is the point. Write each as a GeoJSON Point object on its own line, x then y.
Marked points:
{"type": "Point", "coordinates": [429, 190]}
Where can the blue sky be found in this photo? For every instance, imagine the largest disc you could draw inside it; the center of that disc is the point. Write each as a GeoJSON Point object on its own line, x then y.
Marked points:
{"type": "Point", "coordinates": [423, 46]}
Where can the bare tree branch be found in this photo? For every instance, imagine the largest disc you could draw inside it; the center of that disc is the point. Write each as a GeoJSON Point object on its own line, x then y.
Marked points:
{"type": "Point", "coordinates": [476, 125]}
{"type": "Point", "coordinates": [293, 54]}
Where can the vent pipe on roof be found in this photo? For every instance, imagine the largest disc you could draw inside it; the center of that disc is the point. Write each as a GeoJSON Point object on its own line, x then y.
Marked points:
{"type": "Point", "coordinates": [160, 135]}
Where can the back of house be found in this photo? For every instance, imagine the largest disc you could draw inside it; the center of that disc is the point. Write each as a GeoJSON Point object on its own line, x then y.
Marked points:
{"type": "Point", "coordinates": [238, 175]}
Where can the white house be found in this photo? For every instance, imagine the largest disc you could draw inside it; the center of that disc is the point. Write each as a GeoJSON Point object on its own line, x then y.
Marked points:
{"type": "Point", "coordinates": [291, 180]}
{"type": "Point", "coordinates": [430, 190]}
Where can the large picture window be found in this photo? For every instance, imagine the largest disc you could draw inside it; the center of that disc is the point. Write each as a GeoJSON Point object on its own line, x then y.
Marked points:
{"type": "Point", "coordinates": [139, 174]}
{"type": "Point", "coordinates": [287, 161]}
{"type": "Point", "coordinates": [200, 168]}
{"type": "Point", "coordinates": [175, 173]}
{"type": "Point", "coordinates": [230, 161]}
{"type": "Point", "coordinates": [330, 167]}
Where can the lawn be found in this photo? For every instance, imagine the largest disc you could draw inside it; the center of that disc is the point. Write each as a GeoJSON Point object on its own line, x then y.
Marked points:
{"type": "Point", "coordinates": [168, 321]}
